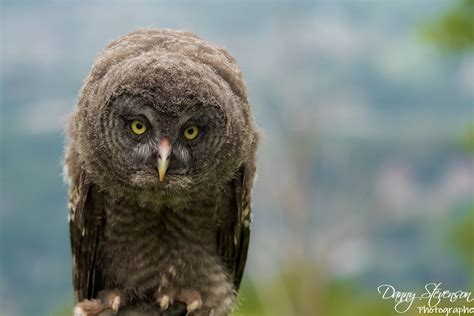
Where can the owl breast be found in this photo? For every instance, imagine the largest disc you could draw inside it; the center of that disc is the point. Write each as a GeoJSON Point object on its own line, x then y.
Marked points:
{"type": "Point", "coordinates": [150, 252]}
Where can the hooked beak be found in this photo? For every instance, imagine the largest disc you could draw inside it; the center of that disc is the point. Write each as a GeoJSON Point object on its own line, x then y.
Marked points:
{"type": "Point", "coordinates": [164, 152]}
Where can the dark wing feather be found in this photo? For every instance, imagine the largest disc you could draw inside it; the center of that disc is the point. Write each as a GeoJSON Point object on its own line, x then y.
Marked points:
{"type": "Point", "coordinates": [233, 233]}
{"type": "Point", "coordinates": [86, 222]}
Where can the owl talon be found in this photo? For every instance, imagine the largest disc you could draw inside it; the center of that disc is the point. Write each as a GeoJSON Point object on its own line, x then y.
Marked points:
{"type": "Point", "coordinates": [194, 305]}
{"type": "Point", "coordinates": [116, 304]}
{"type": "Point", "coordinates": [164, 302]}
{"type": "Point", "coordinates": [114, 299]}
{"type": "Point", "coordinates": [192, 299]}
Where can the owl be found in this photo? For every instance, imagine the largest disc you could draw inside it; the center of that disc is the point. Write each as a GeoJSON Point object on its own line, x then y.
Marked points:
{"type": "Point", "coordinates": [160, 161]}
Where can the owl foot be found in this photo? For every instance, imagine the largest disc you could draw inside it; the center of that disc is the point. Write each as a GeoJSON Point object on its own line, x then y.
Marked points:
{"type": "Point", "coordinates": [89, 308]}
{"type": "Point", "coordinates": [192, 299]}
{"type": "Point", "coordinates": [165, 298]}
{"type": "Point", "coordinates": [164, 301]}
{"type": "Point", "coordinates": [113, 299]}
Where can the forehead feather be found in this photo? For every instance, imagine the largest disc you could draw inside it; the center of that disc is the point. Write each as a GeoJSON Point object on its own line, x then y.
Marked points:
{"type": "Point", "coordinates": [174, 62]}
{"type": "Point", "coordinates": [170, 79]}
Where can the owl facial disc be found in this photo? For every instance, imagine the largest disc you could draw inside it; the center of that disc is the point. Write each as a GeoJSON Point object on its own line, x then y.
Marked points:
{"type": "Point", "coordinates": [164, 152]}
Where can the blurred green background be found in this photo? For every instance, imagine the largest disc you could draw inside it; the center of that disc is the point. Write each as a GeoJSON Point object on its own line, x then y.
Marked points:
{"type": "Point", "coordinates": [366, 169]}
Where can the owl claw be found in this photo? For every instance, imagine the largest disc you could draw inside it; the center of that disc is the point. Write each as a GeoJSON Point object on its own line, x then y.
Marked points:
{"type": "Point", "coordinates": [164, 302]}
{"type": "Point", "coordinates": [192, 299]}
{"type": "Point", "coordinates": [116, 304]}
{"type": "Point", "coordinates": [113, 299]}
{"type": "Point", "coordinates": [194, 305]}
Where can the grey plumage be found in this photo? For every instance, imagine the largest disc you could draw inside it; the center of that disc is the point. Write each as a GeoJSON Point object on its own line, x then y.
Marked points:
{"type": "Point", "coordinates": [136, 239]}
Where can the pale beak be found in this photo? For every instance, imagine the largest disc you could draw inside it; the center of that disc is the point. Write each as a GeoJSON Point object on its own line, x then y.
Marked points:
{"type": "Point", "coordinates": [164, 152]}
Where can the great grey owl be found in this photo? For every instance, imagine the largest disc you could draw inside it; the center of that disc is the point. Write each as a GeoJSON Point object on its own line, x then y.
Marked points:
{"type": "Point", "coordinates": [160, 163]}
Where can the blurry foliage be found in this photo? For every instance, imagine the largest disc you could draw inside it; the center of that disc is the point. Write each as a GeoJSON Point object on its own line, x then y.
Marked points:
{"type": "Point", "coordinates": [64, 310]}
{"type": "Point", "coordinates": [305, 290]}
{"type": "Point", "coordinates": [326, 296]}
{"type": "Point", "coordinates": [462, 236]}
{"type": "Point", "coordinates": [454, 29]}
{"type": "Point", "coordinates": [453, 32]}
{"type": "Point", "coordinates": [249, 304]}
{"type": "Point", "coordinates": [467, 140]}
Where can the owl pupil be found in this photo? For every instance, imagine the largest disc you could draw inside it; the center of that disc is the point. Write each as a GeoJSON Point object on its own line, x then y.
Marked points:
{"type": "Point", "coordinates": [190, 130]}
{"type": "Point", "coordinates": [139, 126]}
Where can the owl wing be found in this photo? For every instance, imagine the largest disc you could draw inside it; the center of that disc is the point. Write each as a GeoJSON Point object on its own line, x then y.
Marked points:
{"type": "Point", "coordinates": [233, 234]}
{"type": "Point", "coordinates": [86, 223]}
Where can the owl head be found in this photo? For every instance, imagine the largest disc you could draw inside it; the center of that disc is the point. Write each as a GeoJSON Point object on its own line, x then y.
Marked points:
{"type": "Point", "coordinates": [163, 112]}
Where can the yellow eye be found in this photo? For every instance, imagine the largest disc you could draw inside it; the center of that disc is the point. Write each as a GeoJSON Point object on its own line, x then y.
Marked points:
{"type": "Point", "coordinates": [191, 132]}
{"type": "Point", "coordinates": [138, 127]}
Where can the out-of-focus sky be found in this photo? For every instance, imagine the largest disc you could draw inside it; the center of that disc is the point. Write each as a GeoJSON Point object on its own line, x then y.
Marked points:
{"type": "Point", "coordinates": [359, 169]}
